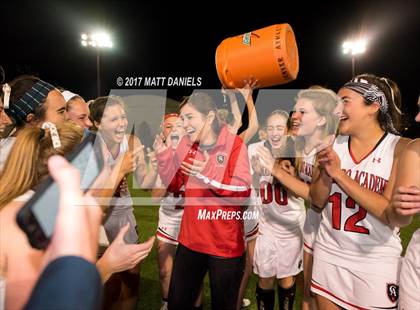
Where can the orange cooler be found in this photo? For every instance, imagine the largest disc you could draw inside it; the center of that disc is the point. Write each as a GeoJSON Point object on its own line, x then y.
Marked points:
{"type": "Point", "coordinates": [270, 55]}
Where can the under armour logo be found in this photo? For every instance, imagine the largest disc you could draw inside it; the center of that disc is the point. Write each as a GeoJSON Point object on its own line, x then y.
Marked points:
{"type": "Point", "coordinates": [376, 160]}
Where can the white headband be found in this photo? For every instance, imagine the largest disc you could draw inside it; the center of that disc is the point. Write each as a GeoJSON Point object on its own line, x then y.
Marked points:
{"type": "Point", "coordinates": [68, 95]}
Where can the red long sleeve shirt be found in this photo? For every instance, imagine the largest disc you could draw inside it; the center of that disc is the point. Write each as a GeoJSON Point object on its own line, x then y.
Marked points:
{"type": "Point", "coordinates": [212, 221]}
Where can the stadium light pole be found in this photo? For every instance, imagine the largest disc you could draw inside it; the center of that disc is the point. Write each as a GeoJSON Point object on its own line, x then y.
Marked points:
{"type": "Point", "coordinates": [100, 40]}
{"type": "Point", "coordinates": [354, 48]}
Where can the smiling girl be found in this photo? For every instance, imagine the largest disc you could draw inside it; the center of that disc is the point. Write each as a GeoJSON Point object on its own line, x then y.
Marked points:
{"type": "Point", "coordinates": [356, 254]}
{"type": "Point", "coordinates": [212, 165]}
{"type": "Point", "coordinates": [110, 118]}
{"type": "Point", "coordinates": [313, 120]}
{"type": "Point", "coordinates": [278, 250]}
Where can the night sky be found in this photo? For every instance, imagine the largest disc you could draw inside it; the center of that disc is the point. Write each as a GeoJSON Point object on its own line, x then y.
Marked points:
{"type": "Point", "coordinates": [158, 39]}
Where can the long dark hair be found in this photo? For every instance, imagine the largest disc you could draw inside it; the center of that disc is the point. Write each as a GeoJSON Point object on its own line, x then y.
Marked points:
{"type": "Point", "coordinates": [20, 86]}
{"type": "Point", "coordinates": [203, 103]}
{"type": "Point", "coordinates": [97, 107]}
{"type": "Point", "coordinates": [393, 96]}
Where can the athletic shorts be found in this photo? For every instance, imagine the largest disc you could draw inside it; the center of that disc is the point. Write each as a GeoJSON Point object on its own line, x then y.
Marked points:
{"type": "Point", "coordinates": [169, 224]}
{"type": "Point", "coordinates": [116, 220]}
{"type": "Point", "coordinates": [352, 289]}
{"type": "Point", "coordinates": [410, 275]}
{"type": "Point", "coordinates": [280, 258]}
{"type": "Point", "coordinates": [310, 230]}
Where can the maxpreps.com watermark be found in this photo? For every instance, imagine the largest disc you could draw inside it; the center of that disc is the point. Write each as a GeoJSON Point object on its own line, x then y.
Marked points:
{"type": "Point", "coordinates": [220, 214]}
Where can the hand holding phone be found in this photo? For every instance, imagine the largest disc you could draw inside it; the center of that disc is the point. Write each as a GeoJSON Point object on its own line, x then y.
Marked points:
{"type": "Point", "coordinates": [37, 217]}
{"type": "Point", "coordinates": [78, 219]}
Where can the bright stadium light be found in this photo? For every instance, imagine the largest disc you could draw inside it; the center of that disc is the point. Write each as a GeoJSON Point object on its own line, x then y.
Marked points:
{"type": "Point", "coordinates": [97, 40]}
{"type": "Point", "coordinates": [354, 48]}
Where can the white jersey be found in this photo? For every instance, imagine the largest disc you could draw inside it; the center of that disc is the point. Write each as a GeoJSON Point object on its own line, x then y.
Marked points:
{"type": "Point", "coordinates": [121, 209]}
{"type": "Point", "coordinates": [122, 150]}
{"type": "Point", "coordinates": [410, 275]}
{"type": "Point", "coordinates": [252, 150]}
{"type": "Point", "coordinates": [349, 236]}
{"type": "Point", "coordinates": [170, 215]}
{"type": "Point", "coordinates": [251, 224]}
{"type": "Point", "coordinates": [307, 166]}
{"type": "Point", "coordinates": [281, 214]}
{"type": "Point", "coordinates": [313, 219]}
{"type": "Point", "coordinates": [122, 198]}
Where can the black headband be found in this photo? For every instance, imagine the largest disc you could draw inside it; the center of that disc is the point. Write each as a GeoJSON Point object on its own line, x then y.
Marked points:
{"type": "Point", "coordinates": [372, 93]}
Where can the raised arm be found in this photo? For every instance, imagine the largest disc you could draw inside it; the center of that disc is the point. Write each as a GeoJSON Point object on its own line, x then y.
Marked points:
{"type": "Point", "coordinates": [141, 167]}
{"type": "Point", "coordinates": [106, 183]}
{"type": "Point", "coordinates": [236, 112]}
{"type": "Point", "coordinates": [168, 164]}
{"type": "Point", "coordinates": [152, 173]}
{"type": "Point", "coordinates": [158, 192]}
{"type": "Point", "coordinates": [253, 125]}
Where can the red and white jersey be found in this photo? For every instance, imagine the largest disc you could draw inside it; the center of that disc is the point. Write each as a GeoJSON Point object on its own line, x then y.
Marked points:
{"type": "Point", "coordinates": [172, 203]}
{"type": "Point", "coordinates": [212, 220]}
{"type": "Point", "coordinates": [313, 219]}
{"type": "Point", "coordinates": [170, 215]}
{"type": "Point", "coordinates": [307, 166]}
{"type": "Point", "coordinates": [281, 214]}
{"type": "Point", "coordinates": [348, 235]}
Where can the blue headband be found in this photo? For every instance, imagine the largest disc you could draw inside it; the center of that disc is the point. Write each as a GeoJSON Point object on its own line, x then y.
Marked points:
{"type": "Point", "coordinates": [29, 101]}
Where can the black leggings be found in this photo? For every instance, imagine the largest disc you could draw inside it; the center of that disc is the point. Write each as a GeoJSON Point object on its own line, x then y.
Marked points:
{"type": "Point", "coordinates": [188, 273]}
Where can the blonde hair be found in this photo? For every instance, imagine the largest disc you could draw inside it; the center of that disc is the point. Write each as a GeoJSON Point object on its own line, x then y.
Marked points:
{"type": "Point", "coordinates": [26, 164]}
{"type": "Point", "coordinates": [324, 102]}
{"type": "Point", "coordinates": [281, 113]}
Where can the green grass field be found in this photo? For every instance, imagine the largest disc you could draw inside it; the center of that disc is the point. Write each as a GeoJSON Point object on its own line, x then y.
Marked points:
{"type": "Point", "coordinates": [149, 296]}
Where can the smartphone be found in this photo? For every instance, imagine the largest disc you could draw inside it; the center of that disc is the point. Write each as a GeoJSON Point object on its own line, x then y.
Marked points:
{"type": "Point", "coordinates": [37, 217]}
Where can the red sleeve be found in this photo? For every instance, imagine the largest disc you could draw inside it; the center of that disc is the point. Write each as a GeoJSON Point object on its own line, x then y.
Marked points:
{"type": "Point", "coordinates": [236, 181]}
{"type": "Point", "coordinates": [169, 172]}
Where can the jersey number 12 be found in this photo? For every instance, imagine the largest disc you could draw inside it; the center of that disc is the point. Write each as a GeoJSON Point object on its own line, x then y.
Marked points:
{"type": "Point", "coordinates": [351, 222]}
